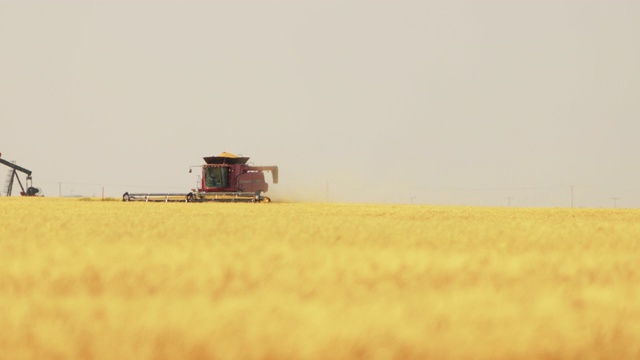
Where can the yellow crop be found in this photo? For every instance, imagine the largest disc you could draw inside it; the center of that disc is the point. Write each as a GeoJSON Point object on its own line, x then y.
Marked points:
{"type": "Point", "coordinates": [114, 280]}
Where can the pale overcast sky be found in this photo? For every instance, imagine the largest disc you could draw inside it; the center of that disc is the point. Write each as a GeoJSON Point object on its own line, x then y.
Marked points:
{"type": "Point", "coordinates": [393, 101]}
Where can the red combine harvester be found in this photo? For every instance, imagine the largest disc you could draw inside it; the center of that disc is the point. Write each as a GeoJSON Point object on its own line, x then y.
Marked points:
{"type": "Point", "coordinates": [225, 178]}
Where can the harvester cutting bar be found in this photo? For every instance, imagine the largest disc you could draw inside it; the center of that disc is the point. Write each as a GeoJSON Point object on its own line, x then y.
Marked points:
{"type": "Point", "coordinates": [158, 197]}
{"type": "Point", "coordinates": [196, 197]}
{"type": "Point", "coordinates": [229, 197]}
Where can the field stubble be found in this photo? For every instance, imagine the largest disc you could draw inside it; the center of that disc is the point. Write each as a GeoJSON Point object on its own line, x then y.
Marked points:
{"type": "Point", "coordinates": [106, 280]}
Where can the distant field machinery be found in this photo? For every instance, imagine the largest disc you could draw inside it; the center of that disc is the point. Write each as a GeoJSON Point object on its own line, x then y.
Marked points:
{"type": "Point", "coordinates": [12, 175]}
{"type": "Point", "coordinates": [225, 178]}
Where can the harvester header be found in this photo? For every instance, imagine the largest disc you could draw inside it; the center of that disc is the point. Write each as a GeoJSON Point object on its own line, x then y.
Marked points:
{"type": "Point", "coordinates": [224, 178]}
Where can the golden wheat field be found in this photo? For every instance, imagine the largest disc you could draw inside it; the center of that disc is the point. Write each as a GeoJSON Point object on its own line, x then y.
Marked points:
{"type": "Point", "coordinates": [113, 280]}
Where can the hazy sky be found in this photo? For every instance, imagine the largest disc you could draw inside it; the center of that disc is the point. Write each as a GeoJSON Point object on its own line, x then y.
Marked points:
{"type": "Point", "coordinates": [393, 101]}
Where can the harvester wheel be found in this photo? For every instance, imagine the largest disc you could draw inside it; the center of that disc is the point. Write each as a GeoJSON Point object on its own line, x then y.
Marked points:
{"type": "Point", "coordinates": [190, 197]}
{"type": "Point", "coordinates": [125, 197]}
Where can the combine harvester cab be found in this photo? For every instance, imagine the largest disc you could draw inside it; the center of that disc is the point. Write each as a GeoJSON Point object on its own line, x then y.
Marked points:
{"type": "Point", "coordinates": [225, 178]}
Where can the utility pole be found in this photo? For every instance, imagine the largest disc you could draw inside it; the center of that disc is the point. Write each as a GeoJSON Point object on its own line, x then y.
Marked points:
{"type": "Point", "coordinates": [571, 195]}
{"type": "Point", "coordinates": [509, 200]}
{"type": "Point", "coordinates": [615, 202]}
{"type": "Point", "coordinates": [327, 191]}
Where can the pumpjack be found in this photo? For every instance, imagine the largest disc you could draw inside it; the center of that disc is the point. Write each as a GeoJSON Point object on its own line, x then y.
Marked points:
{"type": "Point", "coordinates": [13, 175]}
{"type": "Point", "coordinates": [225, 178]}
